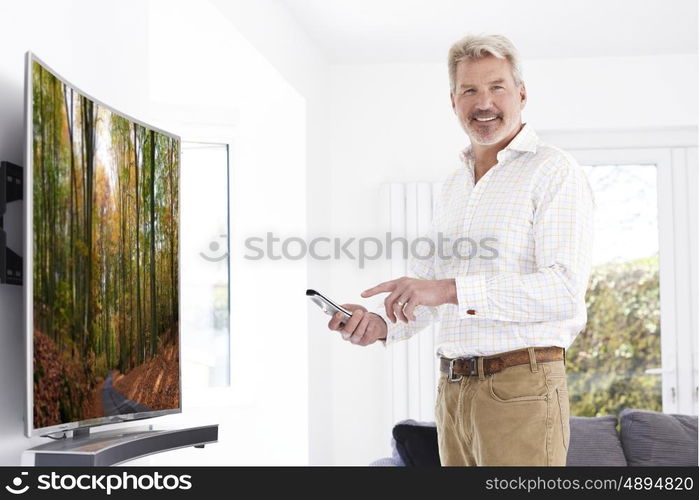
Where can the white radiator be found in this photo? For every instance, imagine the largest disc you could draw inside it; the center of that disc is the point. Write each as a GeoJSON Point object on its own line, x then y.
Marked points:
{"type": "Point", "coordinates": [413, 370]}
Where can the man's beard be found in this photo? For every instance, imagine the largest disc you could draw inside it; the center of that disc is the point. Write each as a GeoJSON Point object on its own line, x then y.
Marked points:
{"type": "Point", "coordinates": [488, 137]}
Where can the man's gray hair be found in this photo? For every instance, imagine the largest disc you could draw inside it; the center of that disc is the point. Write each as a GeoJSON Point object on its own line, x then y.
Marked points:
{"type": "Point", "coordinates": [479, 46]}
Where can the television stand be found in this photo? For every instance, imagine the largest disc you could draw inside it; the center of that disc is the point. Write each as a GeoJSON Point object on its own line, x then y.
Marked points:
{"type": "Point", "coordinates": [116, 446]}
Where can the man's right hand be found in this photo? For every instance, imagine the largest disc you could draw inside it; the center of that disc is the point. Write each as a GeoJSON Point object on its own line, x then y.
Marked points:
{"type": "Point", "coordinates": [363, 328]}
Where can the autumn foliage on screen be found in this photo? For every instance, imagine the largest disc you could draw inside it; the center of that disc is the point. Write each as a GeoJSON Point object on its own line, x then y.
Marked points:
{"type": "Point", "coordinates": [105, 259]}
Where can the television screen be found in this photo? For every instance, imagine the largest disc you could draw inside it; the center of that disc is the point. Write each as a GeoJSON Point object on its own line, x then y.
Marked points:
{"type": "Point", "coordinates": [102, 261]}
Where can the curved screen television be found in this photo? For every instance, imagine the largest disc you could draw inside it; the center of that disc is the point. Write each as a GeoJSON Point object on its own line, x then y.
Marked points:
{"type": "Point", "coordinates": [101, 265]}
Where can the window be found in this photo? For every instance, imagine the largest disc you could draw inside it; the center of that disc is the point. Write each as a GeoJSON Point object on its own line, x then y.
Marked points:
{"type": "Point", "coordinates": [650, 290]}
{"type": "Point", "coordinates": [204, 249]}
{"type": "Point", "coordinates": [615, 363]}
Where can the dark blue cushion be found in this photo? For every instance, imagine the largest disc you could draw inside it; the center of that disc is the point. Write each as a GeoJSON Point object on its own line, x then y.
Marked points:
{"type": "Point", "coordinates": [417, 444]}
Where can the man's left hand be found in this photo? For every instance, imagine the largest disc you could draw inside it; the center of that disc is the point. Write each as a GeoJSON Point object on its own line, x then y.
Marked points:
{"type": "Point", "coordinates": [408, 293]}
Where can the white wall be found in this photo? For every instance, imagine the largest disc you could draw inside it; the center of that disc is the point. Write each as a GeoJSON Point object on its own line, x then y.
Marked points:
{"type": "Point", "coordinates": [214, 81]}
{"type": "Point", "coordinates": [276, 34]}
{"type": "Point", "coordinates": [179, 65]}
{"type": "Point", "coordinates": [394, 123]}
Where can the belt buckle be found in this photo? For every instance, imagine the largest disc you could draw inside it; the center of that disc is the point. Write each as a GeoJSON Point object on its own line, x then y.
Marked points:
{"type": "Point", "coordinates": [450, 374]}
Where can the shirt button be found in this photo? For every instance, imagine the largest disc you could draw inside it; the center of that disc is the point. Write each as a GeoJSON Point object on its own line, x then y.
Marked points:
{"type": "Point", "coordinates": [471, 311]}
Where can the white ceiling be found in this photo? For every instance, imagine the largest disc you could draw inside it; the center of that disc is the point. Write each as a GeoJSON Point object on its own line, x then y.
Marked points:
{"type": "Point", "coordinates": [379, 31]}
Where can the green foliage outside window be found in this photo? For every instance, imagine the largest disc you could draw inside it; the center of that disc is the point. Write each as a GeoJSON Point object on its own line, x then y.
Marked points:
{"type": "Point", "coordinates": [607, 363]}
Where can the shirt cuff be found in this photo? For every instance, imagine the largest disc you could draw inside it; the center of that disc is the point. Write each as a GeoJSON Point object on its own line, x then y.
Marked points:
{"type": "Point", "coordinates": [472, 296]}
{"type": "Point", "coordinates": [383, 316]}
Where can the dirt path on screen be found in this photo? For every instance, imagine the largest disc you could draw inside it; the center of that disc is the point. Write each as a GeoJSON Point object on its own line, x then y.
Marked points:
{"type": "Point", "coordinates": [155, 383]}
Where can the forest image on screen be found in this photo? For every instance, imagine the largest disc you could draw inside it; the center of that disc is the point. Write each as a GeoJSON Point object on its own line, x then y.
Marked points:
{"type": "Point", "coordinates": [105, 259]}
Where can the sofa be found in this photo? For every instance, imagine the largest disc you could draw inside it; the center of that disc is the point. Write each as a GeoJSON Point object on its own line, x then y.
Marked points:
{"type": "Point", "coordinates": [644, 438]}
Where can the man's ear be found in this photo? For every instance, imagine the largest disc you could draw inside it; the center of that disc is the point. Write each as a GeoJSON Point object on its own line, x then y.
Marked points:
{"type": "Point", "coordinates": [453, 104]}
{"type": "Point", "coordinates": [522, 95]}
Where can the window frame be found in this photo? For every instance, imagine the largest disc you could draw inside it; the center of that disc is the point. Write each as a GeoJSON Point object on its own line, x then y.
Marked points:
{"type": "Point", "coordinates": [234, 395]}
{"type": "Point", "coordinates": [674, 152]}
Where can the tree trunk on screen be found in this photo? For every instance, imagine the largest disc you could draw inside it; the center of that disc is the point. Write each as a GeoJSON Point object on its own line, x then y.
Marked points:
{"type": "Point", "coordinates": [70, 115]}
{"type": "Point", "coordinates": [40, 231]}
{"type": "Point", "coordinates": [153, 303]}
{"type": "Point", "coordinates": [139, 324]}
{"type": "Point", "coordinates": [88, 109]}
{"type": "Point", "coordinates": [172, 231]}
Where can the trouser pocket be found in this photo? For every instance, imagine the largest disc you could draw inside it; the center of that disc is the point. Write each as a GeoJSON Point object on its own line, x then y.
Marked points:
{"type": "Point", "coordinates": [564, 409]}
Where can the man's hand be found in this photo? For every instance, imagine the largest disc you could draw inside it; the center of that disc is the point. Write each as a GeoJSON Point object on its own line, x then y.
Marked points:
{"type": "Point", "coordinates": [363, 328]}
{"type": "Point", "coordinates": [408, 293]}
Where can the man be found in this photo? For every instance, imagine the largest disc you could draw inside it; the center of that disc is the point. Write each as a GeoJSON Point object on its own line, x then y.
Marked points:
{"type": "Point", "coordinates": [505, 319]}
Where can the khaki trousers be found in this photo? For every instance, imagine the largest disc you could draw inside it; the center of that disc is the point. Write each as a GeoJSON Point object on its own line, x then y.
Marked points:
{"type": "Point", "coordinates": [519, 416]}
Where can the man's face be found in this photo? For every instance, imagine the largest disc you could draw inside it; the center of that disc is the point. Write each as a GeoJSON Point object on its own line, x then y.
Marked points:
{"type": "Point", "coordinates": [487, 101]}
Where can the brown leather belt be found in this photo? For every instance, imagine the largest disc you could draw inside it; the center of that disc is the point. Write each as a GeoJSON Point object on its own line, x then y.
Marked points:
{"type": "Point", "coordinates": [466, 367]}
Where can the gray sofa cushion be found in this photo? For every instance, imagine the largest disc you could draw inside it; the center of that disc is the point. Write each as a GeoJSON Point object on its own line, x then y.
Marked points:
{"type": "Point", "coordinates": [657, 439]}
{"type": "Point", "coordinates": [594, 442]}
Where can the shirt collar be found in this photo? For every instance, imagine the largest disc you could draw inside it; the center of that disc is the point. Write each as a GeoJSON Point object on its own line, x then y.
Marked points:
{"type": "Point", "coordinates": [525, 141]}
